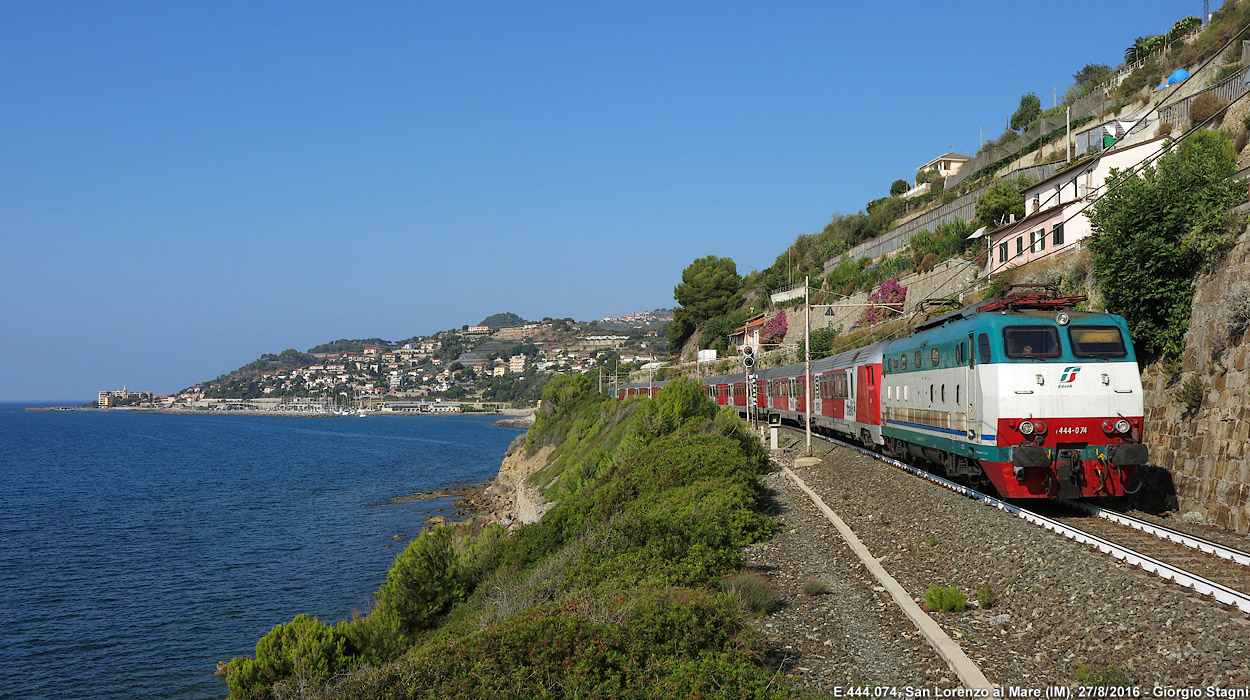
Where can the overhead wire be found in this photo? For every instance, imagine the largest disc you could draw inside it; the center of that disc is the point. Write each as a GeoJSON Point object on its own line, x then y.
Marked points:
{"type": "Point", "coordinates": [1149, 160]}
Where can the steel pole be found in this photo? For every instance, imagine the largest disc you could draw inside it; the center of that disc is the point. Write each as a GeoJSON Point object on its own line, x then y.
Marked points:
{"type": "Point", "coordinates": [807, 359]}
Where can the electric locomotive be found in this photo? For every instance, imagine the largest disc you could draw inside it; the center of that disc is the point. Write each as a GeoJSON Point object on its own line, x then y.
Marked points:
{"type": "Point", "coordinates": [1040, 400]}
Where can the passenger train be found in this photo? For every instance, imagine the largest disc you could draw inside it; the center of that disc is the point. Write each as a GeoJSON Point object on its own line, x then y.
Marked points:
{"type": "Point", "coordinates": [1022, 392]}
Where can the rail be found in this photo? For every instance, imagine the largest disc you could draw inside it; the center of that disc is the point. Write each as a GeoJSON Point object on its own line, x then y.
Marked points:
{"type": "Point", "coordinates": [1163, 533]}
{"type": "Point", "coordinates": [1164, 570]}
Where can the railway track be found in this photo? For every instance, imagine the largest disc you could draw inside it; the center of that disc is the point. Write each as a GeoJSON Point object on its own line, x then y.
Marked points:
{"type": "Point", "coordinates": [1206, 567]}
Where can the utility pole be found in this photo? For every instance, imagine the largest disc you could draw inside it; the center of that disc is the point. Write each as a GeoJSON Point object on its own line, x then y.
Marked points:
{"type": "Point", "coordinates": [807, 460]}
{"type": "Point", "coordinates": [1068, 137]}
{"type": "Point", "coordinates": [807, 359]}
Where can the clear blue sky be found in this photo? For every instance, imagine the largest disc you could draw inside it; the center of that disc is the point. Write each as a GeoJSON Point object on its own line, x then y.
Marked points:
{"type": "Point", "coordinates": [187, 185]}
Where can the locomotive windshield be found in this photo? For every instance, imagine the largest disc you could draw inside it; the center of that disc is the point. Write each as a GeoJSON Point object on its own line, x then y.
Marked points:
{"type": "Point", "coordinates": [1097, 341]}
{"type": "Point", "coordinates": [1031, 342]}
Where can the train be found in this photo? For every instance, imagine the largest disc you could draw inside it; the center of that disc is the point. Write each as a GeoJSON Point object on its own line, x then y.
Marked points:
{"type": "Point", "coordinates": [1021, 393]}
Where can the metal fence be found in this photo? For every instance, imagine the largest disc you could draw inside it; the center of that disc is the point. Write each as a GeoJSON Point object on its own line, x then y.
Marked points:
{"type": "Point", "coordinates": [1227, 90]}
{"type": "Point", "coordinates": [1092, 104]}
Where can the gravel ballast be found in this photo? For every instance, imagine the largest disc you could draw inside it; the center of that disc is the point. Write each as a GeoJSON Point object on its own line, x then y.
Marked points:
{"type": "Point", "coordinates": [1066, 615]}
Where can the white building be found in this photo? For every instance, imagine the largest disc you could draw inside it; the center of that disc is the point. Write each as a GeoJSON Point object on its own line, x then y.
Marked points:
{"type": "Point", "coordinates": [516, 364]}
{"type": "Point", "coordinates": [1056, 211]}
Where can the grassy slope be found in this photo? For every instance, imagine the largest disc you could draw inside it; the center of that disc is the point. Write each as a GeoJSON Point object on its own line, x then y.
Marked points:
{"type": "Point", "coordinates": [616, 592]}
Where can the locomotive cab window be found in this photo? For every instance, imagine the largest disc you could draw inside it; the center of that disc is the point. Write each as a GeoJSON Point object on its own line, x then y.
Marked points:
{"type": "Point", "coordinates": [983, 348]}
{"type": "Point", "coordinates": [1097, 341]}
{"type": "Point", "coordinates": [1031, 342]}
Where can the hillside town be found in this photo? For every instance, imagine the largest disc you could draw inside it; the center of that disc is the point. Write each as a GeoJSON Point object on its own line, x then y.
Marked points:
{"type": "Point", "coordinates": [477, 367]}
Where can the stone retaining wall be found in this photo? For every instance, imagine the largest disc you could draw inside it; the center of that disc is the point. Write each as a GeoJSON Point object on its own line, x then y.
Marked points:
{"type": "Point", "coordinates": [1205, 449]}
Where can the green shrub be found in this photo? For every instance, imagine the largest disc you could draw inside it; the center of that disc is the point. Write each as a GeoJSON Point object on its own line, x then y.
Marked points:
{"type": "Point", "coordinates": [932, 541]}
{"type": "Point", "coordinates": [948, 599]}
{"type": "Point", "coordinates": [816, 588]}
{"type": "Point", "coordinates": [1154, 232]}
{"type": "Point", "coordinates": [755, 592]}
{"type": "Point", "coordinates": [679, 644]}
{"type": "Point", "coordinates": [987, 597]}
{"type": "Point", "coordinates": [425, 581]}
{"type": "Point", "coordinates": [304, 651]}
{"type": "Point", "coordinates": [1191, 393]}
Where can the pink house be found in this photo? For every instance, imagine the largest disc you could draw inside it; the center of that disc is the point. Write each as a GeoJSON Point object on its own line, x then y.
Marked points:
{"type": "Point", "coordinates": [748, 333]}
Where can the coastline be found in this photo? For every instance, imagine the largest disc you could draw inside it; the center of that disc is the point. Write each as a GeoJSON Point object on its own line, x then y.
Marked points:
{"type": "Point", "coordinates": [514, 418]}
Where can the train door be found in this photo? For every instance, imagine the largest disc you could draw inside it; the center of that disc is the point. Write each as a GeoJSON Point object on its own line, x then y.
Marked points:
{"type": "Point", "coordinates": [971, 391]}
{"type": "Point", "coordinates": [852, 394]}
{"type": "Point", "coordinates": [867, 410]}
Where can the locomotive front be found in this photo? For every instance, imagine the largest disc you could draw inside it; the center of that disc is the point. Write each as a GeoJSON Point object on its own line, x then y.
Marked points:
{"type": "Point", "coordinates": [1063, 399]}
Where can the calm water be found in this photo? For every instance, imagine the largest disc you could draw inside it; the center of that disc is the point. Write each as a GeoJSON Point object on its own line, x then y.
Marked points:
{"type": "Point", "coordinates": [138, 550]}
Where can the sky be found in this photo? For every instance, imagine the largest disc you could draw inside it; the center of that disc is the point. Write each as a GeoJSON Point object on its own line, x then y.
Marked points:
{"type": "Point", "coordinates": [187, 185]}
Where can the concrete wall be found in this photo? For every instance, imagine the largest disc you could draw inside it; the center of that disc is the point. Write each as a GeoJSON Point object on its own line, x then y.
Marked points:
{"type": "Point", "coordinates": [1207, 451]}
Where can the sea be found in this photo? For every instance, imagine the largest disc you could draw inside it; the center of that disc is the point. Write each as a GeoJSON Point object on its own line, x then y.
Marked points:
{"type": "Point", "coordinates": [139, 549]}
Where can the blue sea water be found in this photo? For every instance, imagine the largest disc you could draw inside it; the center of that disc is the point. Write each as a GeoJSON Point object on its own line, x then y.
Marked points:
{"type": "Point", "coordinates": [137, 550]}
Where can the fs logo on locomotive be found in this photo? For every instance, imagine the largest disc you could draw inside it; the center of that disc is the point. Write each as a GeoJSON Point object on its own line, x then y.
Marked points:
{"type": "Point", "coordinates": [1068, 376]}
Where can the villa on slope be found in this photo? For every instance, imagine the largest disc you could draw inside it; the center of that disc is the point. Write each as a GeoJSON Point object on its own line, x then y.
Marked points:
{"type": "Point", "coordinates": [1056, 209]}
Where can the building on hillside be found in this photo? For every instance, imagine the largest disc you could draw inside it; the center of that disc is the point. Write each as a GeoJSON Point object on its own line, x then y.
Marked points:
{"type": "Point", "coordinates": [516, 333]}
{"type": "Point", "coordinates": [946, 164]}
{"type": "Point", "coordinates": [477, 329]}
{"type": "Point", "coordinates": [1056, 208]}
{"type": "Point", "coordinates": [516, 364]}
{"type": "Point", "coordinates": [604, 341]}
{"type": "Point", "coordinates": [748, 333]}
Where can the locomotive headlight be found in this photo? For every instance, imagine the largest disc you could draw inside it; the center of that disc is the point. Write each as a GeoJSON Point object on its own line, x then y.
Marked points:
{"type": "Point", "coordinates": [1026, 428]}
{"type": "Point", "coordinates": [1122, 426]}
{"type": "Point", "coordinates": [1062, 318]}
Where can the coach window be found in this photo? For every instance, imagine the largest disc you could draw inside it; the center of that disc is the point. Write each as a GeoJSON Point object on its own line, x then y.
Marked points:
{"type": "Point", "coordinates": [903, 361]}
{"type": "Point", "coordinates": [1097, 341]}
{"type": "Point", "coordinates": [917, 358]}
{"type": "Point", "coordinates": [983, 348]}
{"type": "Point", "coordinates": [959, 353]}
{"type": "Point", "coordinates": [933, 357]}
{"type": "Point", "coordinates": [1031, 342]}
